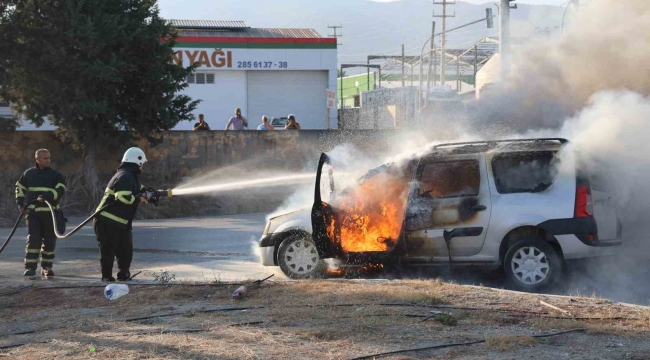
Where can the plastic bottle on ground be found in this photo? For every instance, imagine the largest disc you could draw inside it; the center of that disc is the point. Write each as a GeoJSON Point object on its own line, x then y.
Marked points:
{"type": "Point", "coordinates": [115, 291]}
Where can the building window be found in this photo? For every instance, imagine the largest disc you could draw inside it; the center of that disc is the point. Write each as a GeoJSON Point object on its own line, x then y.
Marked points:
{"type": "Point", "coordinates": [200, 78]}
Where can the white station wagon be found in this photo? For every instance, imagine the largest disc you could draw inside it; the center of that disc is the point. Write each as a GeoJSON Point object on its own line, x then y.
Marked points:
{"type": "Point", "coordinates": [523, 205]}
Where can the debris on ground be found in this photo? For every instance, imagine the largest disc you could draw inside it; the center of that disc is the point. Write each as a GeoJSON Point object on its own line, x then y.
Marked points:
{"type": "Point", "coordinates": [240, 293]}
{"type": "Point", "coordinates": [314, 319]}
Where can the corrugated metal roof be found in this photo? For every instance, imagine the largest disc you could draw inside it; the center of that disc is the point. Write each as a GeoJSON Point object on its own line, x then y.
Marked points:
{"type": "Point", "coordinates": [254, 33]}
{"type": "Point", "coordinates": [208, 24]}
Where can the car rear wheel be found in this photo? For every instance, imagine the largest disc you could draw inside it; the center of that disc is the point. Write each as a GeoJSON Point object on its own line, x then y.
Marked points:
{"type": "Point", "coordinates": [298, 257]}
{"type": "Point", "coordinates": [532, 264]}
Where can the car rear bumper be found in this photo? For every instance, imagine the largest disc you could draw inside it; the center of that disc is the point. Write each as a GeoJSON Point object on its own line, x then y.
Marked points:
{"type": "Point", "coordinates": [574, 248]}
{"type": "Point", "coordinates": [583, 229]}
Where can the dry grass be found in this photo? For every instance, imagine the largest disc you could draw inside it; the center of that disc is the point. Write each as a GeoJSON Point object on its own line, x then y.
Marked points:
{"type": "Point", "coordinates": [509, 342]}
{"type": "Point", "coordinates": [307, 319]}
{"type": "Point", "coordinates": [446, 319]}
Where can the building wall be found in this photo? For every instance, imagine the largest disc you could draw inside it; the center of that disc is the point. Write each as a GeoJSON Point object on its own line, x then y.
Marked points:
{"type": "Point", "coordinates": [219, 100]}
{"type": "Point", "coordinates": [282, 72]}
{"type": "Point", "coordinates": [490, 73]}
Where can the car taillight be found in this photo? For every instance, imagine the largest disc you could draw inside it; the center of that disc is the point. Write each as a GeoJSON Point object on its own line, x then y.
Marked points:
{"type": "Point", "coordinates": [584, 206]}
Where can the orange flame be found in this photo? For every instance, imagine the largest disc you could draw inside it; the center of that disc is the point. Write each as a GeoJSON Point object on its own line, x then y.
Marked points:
{"type": "Point", "coordinates": [371, 215]}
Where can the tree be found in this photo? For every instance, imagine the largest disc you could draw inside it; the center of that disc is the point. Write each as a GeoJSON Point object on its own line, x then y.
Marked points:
{"type": "Point", "coordinates": [97, 69]}
{"type": "Point", "coordinates": [340, 73]}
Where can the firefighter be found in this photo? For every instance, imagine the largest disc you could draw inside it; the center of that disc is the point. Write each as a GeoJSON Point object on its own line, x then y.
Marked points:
{"type": "Point", "coordinates": [113, 226]}
{"type": "Point", "coordinates": [41, 180]}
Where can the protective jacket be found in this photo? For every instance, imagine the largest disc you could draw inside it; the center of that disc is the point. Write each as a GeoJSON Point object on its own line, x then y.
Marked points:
{"type": "Point", "coordinates": [122, 191]}
{"type": "Point", "coordinates": [36, 181]}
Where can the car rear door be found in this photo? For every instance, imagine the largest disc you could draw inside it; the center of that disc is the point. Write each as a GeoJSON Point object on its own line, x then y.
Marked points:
{"type": "Point", "coordinates": [451, 193]}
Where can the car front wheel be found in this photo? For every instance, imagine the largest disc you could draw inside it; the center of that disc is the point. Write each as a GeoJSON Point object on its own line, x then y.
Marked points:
{"type": "Point", "coordinates": [532, 265]}
{"type": "Point", "coordinates": [298, 257]}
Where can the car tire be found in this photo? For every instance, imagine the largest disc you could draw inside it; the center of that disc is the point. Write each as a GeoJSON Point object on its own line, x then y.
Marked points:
{"type": "Point", "coordinates": [532, 265]}
{"type": "Point", "coordinates": [298, 257]}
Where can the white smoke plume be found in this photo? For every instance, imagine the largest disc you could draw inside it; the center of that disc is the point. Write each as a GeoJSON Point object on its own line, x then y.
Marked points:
{"type": "Point", "coordinates": [590, 85]}
{"type": "Point", "coordinates": [606, 47]}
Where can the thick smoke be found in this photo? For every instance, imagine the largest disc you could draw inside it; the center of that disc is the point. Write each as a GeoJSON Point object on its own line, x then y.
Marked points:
{"type": "Point", "coordinates": [591, 86]}
{"type": "Point", "coordinates": [606, 47]}
{"type": "Point", "coordinates": [611, 133]}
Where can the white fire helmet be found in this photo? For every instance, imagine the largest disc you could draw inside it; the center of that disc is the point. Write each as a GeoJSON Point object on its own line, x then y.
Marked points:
{"type": "Point", "coordinates": [134, 155]}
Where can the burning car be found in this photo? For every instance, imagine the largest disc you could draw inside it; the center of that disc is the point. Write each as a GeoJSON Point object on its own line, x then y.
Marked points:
{"type": "Point", "coordinates": [523, 205]}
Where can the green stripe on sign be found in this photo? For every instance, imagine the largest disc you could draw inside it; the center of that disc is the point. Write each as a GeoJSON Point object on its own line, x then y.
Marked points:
{"type": "Point", "coordinates": [252, 46]}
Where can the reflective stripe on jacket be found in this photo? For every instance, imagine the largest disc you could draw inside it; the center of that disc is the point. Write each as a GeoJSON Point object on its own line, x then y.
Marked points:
{"type": "Point", "coordinates": [123, 192]}
{"type": "Point", "coordinates": [36, 181]}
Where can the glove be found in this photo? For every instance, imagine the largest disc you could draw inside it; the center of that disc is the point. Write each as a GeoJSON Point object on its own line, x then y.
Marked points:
{"type": "Point", "coordinates": [144, 197]}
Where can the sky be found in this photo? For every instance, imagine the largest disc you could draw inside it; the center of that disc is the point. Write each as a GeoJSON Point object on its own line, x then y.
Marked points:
{"type": "Point", "coordinates": [175, 9]}
{"type": "Point", "coordinates": [537, 2]}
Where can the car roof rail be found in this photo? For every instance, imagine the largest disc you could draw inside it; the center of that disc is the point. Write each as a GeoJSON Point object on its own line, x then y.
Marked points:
{"type": "Point", "coordinates": [491, 144]}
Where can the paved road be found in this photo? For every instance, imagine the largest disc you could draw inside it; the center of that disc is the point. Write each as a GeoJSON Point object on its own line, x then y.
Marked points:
{"type": "Point", "coordinates": [201, 249]}
{"type": "Point", "coordinates": [224, 248]}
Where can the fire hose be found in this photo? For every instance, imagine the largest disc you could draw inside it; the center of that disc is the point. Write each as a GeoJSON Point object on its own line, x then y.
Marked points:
{"type": "Point", "coordinates": [152, 196]}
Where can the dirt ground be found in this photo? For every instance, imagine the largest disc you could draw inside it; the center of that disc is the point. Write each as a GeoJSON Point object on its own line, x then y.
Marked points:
{"type": "Point", "coordinates": [315, 319]}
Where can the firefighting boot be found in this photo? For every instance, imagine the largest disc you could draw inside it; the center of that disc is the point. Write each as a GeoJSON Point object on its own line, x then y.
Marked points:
{"type": "Point", "coordinates": [108, 279]}
{"type": "Point", "coordinates": [29, 272]}
{"type": "Point", "coordinates": [123, 275]}
{"type": "Point", "coordinates": [47, 272]}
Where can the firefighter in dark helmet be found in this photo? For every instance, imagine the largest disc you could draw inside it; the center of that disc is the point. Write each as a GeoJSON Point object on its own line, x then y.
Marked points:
{"type": "Point", "coordinates": [37, 183]}
{"type": "Point", "coordinates": [113, 225]}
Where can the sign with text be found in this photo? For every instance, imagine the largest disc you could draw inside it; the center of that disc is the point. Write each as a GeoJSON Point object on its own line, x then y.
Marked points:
{"type": "Point", "coordinates": [256, 59]}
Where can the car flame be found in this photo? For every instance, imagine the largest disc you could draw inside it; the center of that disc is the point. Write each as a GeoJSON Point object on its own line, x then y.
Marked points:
{"type": "Point", "coordinates": [370, 216]}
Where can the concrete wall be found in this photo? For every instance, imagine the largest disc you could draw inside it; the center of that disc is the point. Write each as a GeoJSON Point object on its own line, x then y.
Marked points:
{"type": "Point", "coordinates": [187, 153]}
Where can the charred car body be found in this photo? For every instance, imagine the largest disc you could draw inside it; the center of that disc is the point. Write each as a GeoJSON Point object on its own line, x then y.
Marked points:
{"type": "Point", "coordinates": [523, 205]}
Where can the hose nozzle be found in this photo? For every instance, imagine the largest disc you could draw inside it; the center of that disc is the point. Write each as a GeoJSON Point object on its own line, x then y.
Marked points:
{"type": "Point", "coordinates": [164, 193]}
{"type": "Point", "coordinates": [154, 195]}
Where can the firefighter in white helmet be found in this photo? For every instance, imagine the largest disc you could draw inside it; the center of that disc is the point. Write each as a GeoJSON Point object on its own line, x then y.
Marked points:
{"type": "Point", "coordinates": [113, 226]}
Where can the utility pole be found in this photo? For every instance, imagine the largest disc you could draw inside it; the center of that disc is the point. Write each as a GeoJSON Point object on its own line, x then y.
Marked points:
{"type": "Point", "coordinates": [403, 84]}
{"type": "Point", "coordinates": [432, 58]}
{"type": "Point", "coordinates": [444, 17]}
{"type": "Point", "coordinates": [504, 37]}
{"type": "Point", "coordinates": [335, 35]}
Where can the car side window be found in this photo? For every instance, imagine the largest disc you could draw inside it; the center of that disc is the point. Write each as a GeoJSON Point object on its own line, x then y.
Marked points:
{"type": "Point", "coordinates": [524, 172]}
{"type": "Point", "coordinates": [446, 179]}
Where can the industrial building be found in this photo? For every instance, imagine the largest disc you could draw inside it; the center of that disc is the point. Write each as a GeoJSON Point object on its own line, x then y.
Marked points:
{"type": "Point", "coordinates": [271, 72]}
